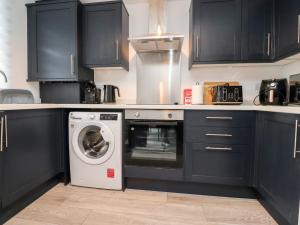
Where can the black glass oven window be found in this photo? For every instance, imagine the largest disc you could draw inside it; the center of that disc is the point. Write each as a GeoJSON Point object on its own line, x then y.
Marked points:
{"type": "Point", "coordinates": [154, 144]}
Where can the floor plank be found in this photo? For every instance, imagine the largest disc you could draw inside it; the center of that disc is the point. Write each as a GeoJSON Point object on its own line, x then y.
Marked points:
{"type": "Point", "coordinates": [69, 205]}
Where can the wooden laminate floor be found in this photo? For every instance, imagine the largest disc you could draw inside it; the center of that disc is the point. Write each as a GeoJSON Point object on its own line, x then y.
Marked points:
{"type": "Point", "coordinates": [66, 205]}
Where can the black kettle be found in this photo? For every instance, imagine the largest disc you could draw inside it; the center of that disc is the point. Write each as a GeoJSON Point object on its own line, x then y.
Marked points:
{"type": "Point", "coordinates": [109, 93]}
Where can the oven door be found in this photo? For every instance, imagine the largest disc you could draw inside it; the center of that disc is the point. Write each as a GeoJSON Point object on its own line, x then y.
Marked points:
{"type": "Point", "coordinates": [154, 143]}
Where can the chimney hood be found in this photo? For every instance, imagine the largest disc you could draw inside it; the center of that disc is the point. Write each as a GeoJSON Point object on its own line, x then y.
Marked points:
{"type": "Point", "coordinates": [158, 40]}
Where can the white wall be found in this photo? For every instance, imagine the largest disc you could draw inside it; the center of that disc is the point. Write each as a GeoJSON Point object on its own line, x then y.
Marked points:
{"type": "Point", "coordinates": [5, 42]}
{"type": "Point", "coordinates": [13, 54]}
{"type": "Point", "coordinates": [178, 22]}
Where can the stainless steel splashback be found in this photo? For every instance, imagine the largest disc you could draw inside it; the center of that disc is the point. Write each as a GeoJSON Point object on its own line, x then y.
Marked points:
{"type": "Point", "coordinates": [159, 78]}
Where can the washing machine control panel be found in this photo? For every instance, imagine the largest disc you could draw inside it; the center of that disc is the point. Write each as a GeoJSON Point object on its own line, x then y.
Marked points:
{"type": "Point", "coordinates": [108, 117]}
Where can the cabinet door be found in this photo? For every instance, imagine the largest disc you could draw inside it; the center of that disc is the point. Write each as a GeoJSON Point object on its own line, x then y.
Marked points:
{"type": "Point", "coordinates": [33, 153]}
{"type": "Point", "coordinates": [217, 163]}
{"type": "Point", "coordinates": [102, 35]}
{"type": "Point", "coordinates": [217, 31]}
{"type": "Point", "coordinates": [287, 27]}
{"type": "Point", "coordinates": [278, 179]}
{"type": "Point", "coordinates": [1, 168]}
{"type": "Point", "coordinates": [259, 29]}
{"type": "Point", "coordinates": [52, 44]}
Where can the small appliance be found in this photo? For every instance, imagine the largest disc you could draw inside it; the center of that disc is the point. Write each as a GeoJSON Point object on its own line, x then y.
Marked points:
{"type": "Point", "coordinates": [92, 95]}
{"type": "Point", "coordinates": [109, 95]}
{"type": "Point", "coordinates": [227, 95]}
{"type": "Point", "coordinates": [95, 140]}
{"type": "Point", "coordinates": [295, 89]}
{"type": "Point", "coordinates": [274, 92]}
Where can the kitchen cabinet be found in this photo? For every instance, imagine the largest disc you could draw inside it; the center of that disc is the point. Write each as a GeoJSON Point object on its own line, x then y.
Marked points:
{"type": "Point", "coordinates": [287, 27]}
{"type": "Point", "coordinates": [258, 30]}
{"type": "Point", "coordinates": [218, 147]}
{"type": "Point", "coordinates": [54, 42]}
{"type": "Point", "coordinates": [105, 35]}
{"type": "Point", "coordinates": [278, 169]}
{"type": "Point", "coordinates": [215, 31]}
{"type": "Point", "coordinates": [33, 152]}
{"type": "Point", "coordinates": [1, 167]}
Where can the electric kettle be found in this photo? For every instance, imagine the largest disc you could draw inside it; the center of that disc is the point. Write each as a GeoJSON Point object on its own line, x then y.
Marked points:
{"type": "Point", "coordinates": [109, 93]}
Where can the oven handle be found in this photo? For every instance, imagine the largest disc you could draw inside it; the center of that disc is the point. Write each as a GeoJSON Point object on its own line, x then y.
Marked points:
{"type": "Point", "coordinates": [152, 123]}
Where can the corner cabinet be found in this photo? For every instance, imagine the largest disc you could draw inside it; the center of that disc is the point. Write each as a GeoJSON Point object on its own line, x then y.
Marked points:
{"type": "Point", "coordinates": [287, 27]}
{"type": "Point", "coordinates": [215, 31]}
{"type": "Point", "coordinates": [32, 153]}
{"type": "Point", "coordinates": [105, 35]}
{"type": "Point", "coordinates": [258, 29]}
{"type": "Point", "coordinates": [54, 45]}
{"type": "Point", "coordinates": [279, 165]}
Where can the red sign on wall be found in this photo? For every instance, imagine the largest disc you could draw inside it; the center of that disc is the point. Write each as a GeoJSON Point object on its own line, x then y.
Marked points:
{"type": "Point", "coordinates": [187, 96]}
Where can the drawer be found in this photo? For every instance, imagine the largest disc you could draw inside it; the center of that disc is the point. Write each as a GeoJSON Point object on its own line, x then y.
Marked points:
{"type": "Point", "coordinates": [218, 135]}
{"type": "Point", "coordinates": [218, 164]}
{"type": "Point", "coordinates": [219, 118]}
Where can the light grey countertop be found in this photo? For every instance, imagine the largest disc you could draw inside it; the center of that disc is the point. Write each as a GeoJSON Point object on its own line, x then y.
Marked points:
{"type": "Point", "coordinates": [280, 109]}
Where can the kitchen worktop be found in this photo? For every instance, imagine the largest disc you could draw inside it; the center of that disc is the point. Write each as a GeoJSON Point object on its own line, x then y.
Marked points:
{"type": "Point", "coordinates": [280, 109]}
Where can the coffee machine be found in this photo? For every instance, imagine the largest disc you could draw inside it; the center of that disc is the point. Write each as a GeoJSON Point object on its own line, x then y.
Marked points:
{"type": "Point", "coordinates": [274, 92]}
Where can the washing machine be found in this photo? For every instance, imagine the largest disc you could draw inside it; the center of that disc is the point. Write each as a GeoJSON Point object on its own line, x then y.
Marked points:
{"type": "Point", "coordinates": [95, 140]}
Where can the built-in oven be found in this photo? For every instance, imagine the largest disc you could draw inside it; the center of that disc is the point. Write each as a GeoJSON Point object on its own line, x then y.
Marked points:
{"type": "Point", "coordinates": [154, 138]}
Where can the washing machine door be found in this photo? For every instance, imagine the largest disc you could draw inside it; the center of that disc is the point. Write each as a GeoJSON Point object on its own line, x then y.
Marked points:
{"type": "Point", "coordinates": [93, 142]}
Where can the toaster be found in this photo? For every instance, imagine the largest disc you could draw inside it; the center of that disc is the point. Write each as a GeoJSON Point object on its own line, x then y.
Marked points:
{"type": "Point", "coordinates": [227, 95]}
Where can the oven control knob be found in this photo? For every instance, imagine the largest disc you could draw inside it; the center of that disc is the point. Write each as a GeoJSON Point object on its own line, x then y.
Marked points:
{"type": "Point", "coordinates": [170, 115]}
{"type": "Point", "coordinates": [137, 114]}
{"type": "Point", "coordinates": [92, 117]}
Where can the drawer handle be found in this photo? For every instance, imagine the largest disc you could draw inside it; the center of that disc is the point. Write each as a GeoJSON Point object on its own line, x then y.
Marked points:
{"type": "Point", "coordinates": [219, 135]}
{"type": "Point", "coordinates": [218, 118]}
{"type": "Point", "coordinates": [219, 149]}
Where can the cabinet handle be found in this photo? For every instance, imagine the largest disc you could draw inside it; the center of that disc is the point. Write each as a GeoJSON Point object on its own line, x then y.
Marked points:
{"type": "Point", "coordinates": [1, 138]}
{"type": "Point", "coordinates": [298, 29]}
{"type": "Point", "coordinates": [219, 135]}
{"type": "Point", "coordinates": [218, 118]}
{"type": "Point", "coordinates": [6, 136]}
{"type": "Point", "coordinates": [197, 46]}
{"type": "Point", "coordinates": [296, 139]}
{"type": "Point", "coordinates": [72, 65]}
{"type": "Point", "coordinates": [117, 50]}
{"type": "Point", "coordinates": [220, 149]}
{"type": "Point", "coordinates": [269, 44]}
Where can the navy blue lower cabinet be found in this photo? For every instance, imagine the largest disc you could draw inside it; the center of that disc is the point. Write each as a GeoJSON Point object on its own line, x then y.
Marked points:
{"type": "Point", "coordinates": [278, 166]}
{"type": "Point", "coordinates": [219, 147]}
{"type": "Point", "coordinates": [217, 163]}
{"type": "Point", "coordinates": [32, 153]}
{"type": "Point", "coordinates": [1, 169]}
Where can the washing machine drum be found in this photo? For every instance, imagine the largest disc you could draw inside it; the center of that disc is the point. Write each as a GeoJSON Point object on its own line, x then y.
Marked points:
{"type": "Point", "coordinates": [93, 143]}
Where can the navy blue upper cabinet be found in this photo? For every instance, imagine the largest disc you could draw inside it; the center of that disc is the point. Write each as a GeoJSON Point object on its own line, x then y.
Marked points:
{"type": "Point", "coordinates": [105, 35]}
{"type": "Point", "coordinates": [278, 169]}
{"type": "Point", "coordinates": [258, 30]}
{"type": "Point", "coordinates": [215, 31]}
{"type": "Point", "coordinates": [54, 42]}
{"type": "Point", "coordinates": [33, 152]}
{"type": "Point", "coordinates": [287, 27]}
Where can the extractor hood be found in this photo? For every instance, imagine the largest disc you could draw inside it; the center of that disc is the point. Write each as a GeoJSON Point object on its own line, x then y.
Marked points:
{"type": "Point", "coordinates": [157, 40]}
